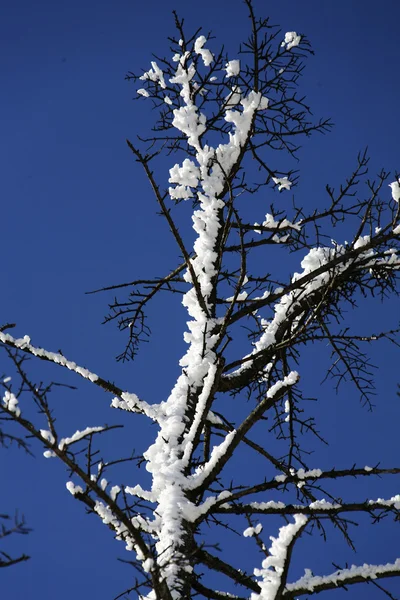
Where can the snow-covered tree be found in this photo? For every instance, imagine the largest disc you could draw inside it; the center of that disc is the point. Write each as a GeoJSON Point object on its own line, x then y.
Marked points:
{"type": "Point", "coordinates": [230, 451]}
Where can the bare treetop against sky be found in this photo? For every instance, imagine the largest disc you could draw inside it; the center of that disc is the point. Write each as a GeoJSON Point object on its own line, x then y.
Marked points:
{"type": "Point", "coordinates": [255, 282]}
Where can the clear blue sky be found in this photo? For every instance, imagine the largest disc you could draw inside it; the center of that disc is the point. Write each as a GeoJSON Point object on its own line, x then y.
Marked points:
{"type": "Point", "coordinates": [76, 214]}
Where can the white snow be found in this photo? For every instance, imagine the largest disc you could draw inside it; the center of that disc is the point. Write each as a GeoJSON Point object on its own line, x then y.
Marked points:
{"type": "Point", "coordinates": [240, 297]}
{"type": "Point", "coordinates": [10, 401]}
{"type": "Point", "coordinates": [114, 491]}
{"type": "Point", "coordinates": [291, 40]}
{"type": "Point", "coordinates": [192, 513]}
{"type": "Point", "coordinates": [324, 505]}
{"type": "Point", "coordinates": [287, 411]}
{"type": "Point", "coordinates": [395, 187]}
{"type": "Point", "coordinates": [250, 531]}
{"type": "Point", "coordinates": [59, 359]}
{"type": "Point", "coordinates": [154, 74]}
{"type": "Point", "coordinates": [232, 68]}
{"type": "Point", "coordinates": [187, 120]}
{"type": "Point", "coordinates": [206, 55]}
{"type": "Point", "coordinates": [47, 435]}
{"type": "Point", "coordinates": [214, 419]}
{"type": "Point", "coordinates": [108, 518]}
{"type": "Point", "coordinates": [216, 454]}
{"type": "Point", "coordinates": [272, 567]}
{"type": "Point", "coordinates": [234, 97]}
{"type": "Point", "coordinates": [289, 380]}
{"type": "Point", "coordinates": [271, 223]}
{"type": "Point", "coordinates": [367, 571]}
{"type": "Point", "coordinates": [270, 505]}
{"type": "Point", "coordinates": [148, 565]}
{"type": "Point", "coordinates": [313, 473]}
{"type": "Point", "coordinates": [394, 501]}
{"type": "Point", "coordinates": [49, 454]}
{"type": "Point", "coordinates": [73, 489]}
{"type": "Point", "coordinates": [362, 241]}
{"type": "Point", "coordinates": [186, 177]}
{"type": "Point", "coordinates": [137, 490]}
{"type": "Point", "coordinates": [131, 403]}
{"type": "Point", "coordinates": [77, 436]}
{"type": "Point", "coordinates": [283, 183]}
{"type": "Point", "coordinates": [264, 103]}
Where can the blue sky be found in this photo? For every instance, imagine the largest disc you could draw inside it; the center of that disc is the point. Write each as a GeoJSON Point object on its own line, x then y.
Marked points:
{"type": "Point", "coordinates": [77, 215]}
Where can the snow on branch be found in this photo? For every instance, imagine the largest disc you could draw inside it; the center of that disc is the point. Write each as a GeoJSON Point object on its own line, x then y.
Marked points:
{"type": "Point", "coordinates": [206, 55]}
{"type": "Point", "coordinates": [77, 436]}
{"type": "Point", "coordinates": [154, 74]}
{"type": "Point", "coordinates": [321, 506]}
{"type": "Point", "coordinates": [395, 187]}
{"type": "Point", "coordinates": [55, 357]}
{"type": "Point", "coordinates": [220, 120]}
{"type": "Point", "coordinates": [127, 401]}
{"type": "Point", "coordinates": [10, 401]}
{"type": "Point", "coordinates": [291, 40]}
{"type": "Point", "coordinates": [310, 583]}
{"type": "Point", "coordinates": [322, 267]}
{"type": "Point", "coordinates": [222, 453]}
{"type": "Point", "coordinates": [274, 568]}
